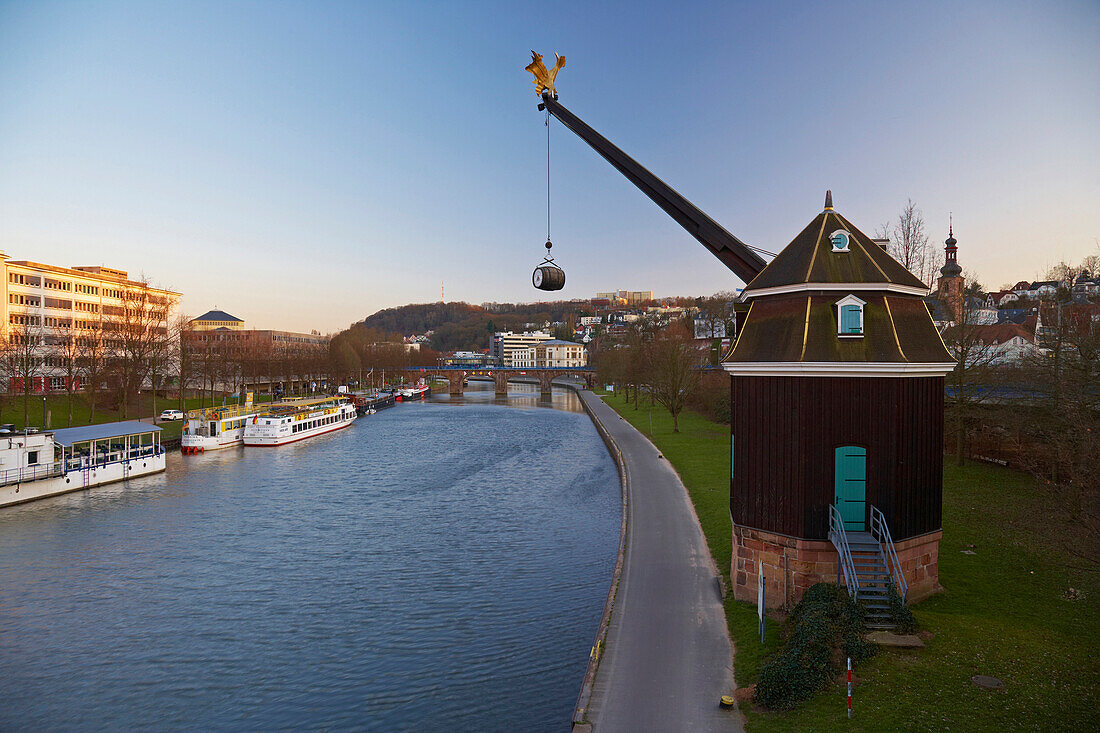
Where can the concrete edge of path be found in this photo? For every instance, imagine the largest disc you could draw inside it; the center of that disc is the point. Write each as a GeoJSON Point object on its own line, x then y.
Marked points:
{"type": "Point", "coordinates": [580, 710]}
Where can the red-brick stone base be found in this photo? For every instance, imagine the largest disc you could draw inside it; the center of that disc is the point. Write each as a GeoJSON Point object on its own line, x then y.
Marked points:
{"type": "Point", "coordinates": [791, 565]}
{"type": "Point", "coordinates": [920, 563]}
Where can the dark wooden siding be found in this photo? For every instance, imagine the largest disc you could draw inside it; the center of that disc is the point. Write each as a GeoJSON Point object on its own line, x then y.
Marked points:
{"type": "Point", "coordinates": [786, 430]}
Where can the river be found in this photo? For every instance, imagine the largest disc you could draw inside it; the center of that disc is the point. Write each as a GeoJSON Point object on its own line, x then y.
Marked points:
{"type": "Point", "coordinates": [435, 566]}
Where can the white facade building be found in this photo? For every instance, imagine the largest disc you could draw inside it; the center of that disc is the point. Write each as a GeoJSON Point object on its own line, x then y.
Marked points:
{"type": "Point", "coordinates": [46, 305]}
{"type": "Point", "coordinates": [554, 354]}
{"type": "Point", "coordinates": [505, 342]}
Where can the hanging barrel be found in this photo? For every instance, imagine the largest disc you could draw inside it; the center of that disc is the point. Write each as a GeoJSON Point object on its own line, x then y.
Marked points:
{"type": "Point", "coordinates": [548, 277]}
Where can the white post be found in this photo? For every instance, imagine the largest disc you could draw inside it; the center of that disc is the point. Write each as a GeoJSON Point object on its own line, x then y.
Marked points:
{"type": "Point", "coordinates": [760, 598]}
{"type": "Point", "coordinates": [849, 688]}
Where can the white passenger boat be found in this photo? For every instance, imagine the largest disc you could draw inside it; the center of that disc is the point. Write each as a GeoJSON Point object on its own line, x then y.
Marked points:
{"type": "Point", "coordinates": [54, 462]}
{"type": "Point", "coordinates": [292, 421]}
{"type": "Point", "coordinates": [416, 392]}
{"type": "Point", "coordinates": [218, 427]}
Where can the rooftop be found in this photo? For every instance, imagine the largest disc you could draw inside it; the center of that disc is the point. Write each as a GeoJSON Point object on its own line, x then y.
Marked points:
{"type": "Point", "coordinates": [68, 436]}
{"type": "Point", "coordinates": [217, 316]}
{"type": "Point", "coordinates": [810, 258]}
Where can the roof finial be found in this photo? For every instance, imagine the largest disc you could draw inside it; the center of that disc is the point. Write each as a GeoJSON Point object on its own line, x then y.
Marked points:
{"type": "Point", "coordinates": [950, 224]}
{"type": "Point", "coordinates": [829, 200]}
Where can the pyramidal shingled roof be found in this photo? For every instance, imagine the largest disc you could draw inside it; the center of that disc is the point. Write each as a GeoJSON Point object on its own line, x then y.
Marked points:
{"type": "Point", "coordinates": [810, 258]}
{"type": "Point", "coordinates": [217, 316]}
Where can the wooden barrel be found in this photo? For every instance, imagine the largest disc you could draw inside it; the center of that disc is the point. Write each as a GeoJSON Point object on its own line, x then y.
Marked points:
{"type": "Point", "coordinates": [548, 277]}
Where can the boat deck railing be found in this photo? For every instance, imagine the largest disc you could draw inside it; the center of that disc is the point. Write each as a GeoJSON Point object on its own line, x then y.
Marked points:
{"type": "Point", "coordinates": [303, 404]}
{"type": "Point", "coordinates": [29, 473]}
{"type": "Point", "coordinates": [105, 457]}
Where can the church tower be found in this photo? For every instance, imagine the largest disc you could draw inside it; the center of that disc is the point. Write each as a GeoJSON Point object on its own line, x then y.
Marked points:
{"type": "Point", "coordinates": [950, 285]}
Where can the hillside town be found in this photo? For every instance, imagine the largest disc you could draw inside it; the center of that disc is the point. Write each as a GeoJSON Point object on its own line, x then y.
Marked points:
{"type": "Point", "coordinates": [67, 327]}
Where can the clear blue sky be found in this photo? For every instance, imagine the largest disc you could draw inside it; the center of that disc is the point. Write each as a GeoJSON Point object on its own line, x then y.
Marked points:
{"type": "Point", "coordinates": [301, 165]}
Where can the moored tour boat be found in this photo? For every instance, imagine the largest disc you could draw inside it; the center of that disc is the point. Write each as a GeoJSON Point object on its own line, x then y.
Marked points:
{"type": "Point", "coordinates": [37, 465]}
{"type": "Point", "coordinates": [218, 427]}
{"type": "Point", "coordinates": [416, 392]}
{"type": "Point", "coordinates": [293, 421]}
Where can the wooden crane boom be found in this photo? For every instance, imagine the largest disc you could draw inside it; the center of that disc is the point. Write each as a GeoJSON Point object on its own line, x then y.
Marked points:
{"type": "Point", "coordinates": [734, 254]}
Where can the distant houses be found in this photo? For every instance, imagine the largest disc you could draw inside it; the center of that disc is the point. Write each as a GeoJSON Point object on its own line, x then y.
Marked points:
{"type": "Point", "coordinates": [1006, 326]}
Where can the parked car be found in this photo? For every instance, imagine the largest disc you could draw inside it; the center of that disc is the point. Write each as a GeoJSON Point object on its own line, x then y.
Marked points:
{"type": "Point", "coordinates": [171, 415]}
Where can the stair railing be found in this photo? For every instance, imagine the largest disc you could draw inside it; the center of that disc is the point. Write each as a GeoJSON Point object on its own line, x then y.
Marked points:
{"type": "Point", "coordinates": [840, 539]}
{"type": "Point", "coordinates": [881, 532]}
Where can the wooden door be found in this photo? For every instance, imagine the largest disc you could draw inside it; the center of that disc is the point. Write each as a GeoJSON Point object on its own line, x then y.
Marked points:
{"type": "Point", "coordinates": [850, 486]}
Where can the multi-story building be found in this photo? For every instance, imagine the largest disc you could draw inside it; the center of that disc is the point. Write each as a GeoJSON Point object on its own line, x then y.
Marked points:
{"type": "Point", "coordinates": [626, 297]}
{"type": "Point", "coordinates": [48, 306]}
{"type": "Point", "coordinates": [550, 354]}
{"type": "Point", "coordinates": [215, 320]}
{"type": "Point", "coordinates": [233, 339]}
{"type": "Point", "coordinates": [226, 353]}
{"type": "Point", "coordinates": [504, 343]}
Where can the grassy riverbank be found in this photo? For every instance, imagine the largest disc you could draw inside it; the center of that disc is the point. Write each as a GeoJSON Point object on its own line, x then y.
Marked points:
{"type": "Point", "coordinates": [57, 407]}
{"type": "Point", "coordinates": [1006, 611]}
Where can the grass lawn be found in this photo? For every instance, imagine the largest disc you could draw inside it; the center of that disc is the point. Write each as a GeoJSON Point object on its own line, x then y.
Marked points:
{"type": "Point", "coordinates": [1004, 612]}
{"type": "Point", "coordinates": [57, 407]}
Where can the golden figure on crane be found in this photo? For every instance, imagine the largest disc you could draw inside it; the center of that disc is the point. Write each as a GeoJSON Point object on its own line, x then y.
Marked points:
{"type": "Point", "coordinates": [544, 79]}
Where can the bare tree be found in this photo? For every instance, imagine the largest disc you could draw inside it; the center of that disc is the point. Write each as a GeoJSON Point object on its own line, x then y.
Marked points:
{"type": "Point", "coordinates": [971, 383]}
{"type": "Point", "coordinates": [66, 351]}
{"type": "Point", "coordinates": [672, 369]}
{"type": "Point", "coordinates": [22, 357]}
{"type": "Point", "coordinates": [717, 315]}
{"type": "Point", "coordinates": [1062, 272]}
{"type": "Point", "coordinates": [183, 350]}
{"type": "Point", "coordinates": [140, 326]}
{"type": "Point", "coordinates": [1091, 265]}
{"type": "Point", "coordinates": [162, 353]}
{"type": "Point", "coordinates": [92, 359]}
{"type": "Point", "coordinates": [910, 245]}
{"type": "Point", "coordinates": [1058, 439]}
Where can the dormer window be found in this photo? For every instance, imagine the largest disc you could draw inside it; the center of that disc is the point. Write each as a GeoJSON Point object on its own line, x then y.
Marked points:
{"type": "Point", "coordinates": [849, 317]}
{"type": "Point", "coordinates": [840, 239]}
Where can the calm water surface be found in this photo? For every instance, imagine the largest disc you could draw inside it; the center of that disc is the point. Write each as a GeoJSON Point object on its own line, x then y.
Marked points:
{"type": "Point", "coordinates": [436, 566]}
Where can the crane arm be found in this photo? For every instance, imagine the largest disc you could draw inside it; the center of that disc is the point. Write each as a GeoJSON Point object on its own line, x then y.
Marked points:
{"type": "Point", "coordinates": [734, 254]}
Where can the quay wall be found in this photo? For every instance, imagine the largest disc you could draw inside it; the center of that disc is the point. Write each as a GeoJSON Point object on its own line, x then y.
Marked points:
{"type": "Point", "coordinates": [581, 708]}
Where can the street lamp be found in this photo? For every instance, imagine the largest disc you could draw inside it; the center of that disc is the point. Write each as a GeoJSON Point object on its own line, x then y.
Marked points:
{"type": "Point", "coordinates": [43, 407]}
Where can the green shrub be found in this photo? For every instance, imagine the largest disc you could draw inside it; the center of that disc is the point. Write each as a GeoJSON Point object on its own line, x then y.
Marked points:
{"type": "Point", "coordinates": [903, 618]}
{"type": "Point", "coordinates": [824, 621]}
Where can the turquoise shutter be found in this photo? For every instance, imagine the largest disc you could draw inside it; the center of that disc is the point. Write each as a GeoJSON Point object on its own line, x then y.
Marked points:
{"type": "Point", "coordinates": [849, 319]}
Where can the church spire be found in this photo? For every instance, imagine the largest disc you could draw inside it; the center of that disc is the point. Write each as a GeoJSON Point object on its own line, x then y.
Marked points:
{"type": "Point", "coordinates": [951, 251]}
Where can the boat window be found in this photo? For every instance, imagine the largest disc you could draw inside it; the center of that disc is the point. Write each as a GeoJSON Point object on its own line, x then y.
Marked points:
{"type": "Point", "coordinates": [32, 457]}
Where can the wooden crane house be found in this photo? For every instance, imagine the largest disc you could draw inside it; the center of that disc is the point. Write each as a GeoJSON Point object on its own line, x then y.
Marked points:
{"type": "Point", "coordinates": [836, 397]}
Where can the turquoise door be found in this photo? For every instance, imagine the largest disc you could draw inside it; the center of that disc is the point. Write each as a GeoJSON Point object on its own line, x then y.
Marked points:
{"type": "Point", "coordinates": [850, 486]}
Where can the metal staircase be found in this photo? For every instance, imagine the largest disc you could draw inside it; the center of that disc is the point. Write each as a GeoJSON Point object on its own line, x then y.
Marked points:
{"type": "Point", "coordinates": [869, 565]}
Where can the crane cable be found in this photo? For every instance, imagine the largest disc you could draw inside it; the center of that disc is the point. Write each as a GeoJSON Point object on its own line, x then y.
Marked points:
{"type": "Point", "coordinates": [548, 177]}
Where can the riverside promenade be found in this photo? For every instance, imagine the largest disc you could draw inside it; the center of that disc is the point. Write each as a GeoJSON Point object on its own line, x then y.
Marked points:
{"type": "Point", "coordinates": [666, 657]}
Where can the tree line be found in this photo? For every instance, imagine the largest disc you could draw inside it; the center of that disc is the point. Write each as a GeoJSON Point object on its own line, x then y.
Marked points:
{"type": "Point", "coordinates": [109, 352]}
{"type": "Point", "coordinates": [110, 355]}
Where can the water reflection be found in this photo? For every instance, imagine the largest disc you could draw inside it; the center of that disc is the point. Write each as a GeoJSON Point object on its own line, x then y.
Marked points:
{"type": "Point", "coordinates": [437, 566]}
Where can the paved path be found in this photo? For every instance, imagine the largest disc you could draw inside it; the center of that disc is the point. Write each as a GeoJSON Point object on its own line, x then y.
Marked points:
{"type": "Point", "coordinates": [667, 659]}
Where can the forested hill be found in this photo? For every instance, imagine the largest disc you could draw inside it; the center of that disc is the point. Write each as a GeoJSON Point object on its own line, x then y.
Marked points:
{"type": "Point", "coordinates": [466, 327]}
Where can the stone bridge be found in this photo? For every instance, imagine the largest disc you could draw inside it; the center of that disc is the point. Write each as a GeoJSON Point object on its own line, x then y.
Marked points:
{"type": "Point", "coordinates": [456, 376]}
